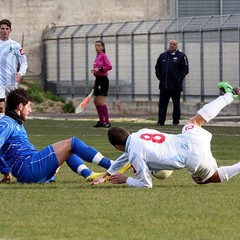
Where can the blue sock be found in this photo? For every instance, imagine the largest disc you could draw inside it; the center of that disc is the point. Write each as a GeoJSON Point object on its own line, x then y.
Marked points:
{"type": "Point", "coordinates": [105, 163]}
{"type": "Point", "coordinates": [78, 166]}
{"type": "Point", "coordinates": [89, 154]}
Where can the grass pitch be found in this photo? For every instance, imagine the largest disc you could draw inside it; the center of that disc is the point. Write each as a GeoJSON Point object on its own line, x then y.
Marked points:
{"type": "Point", "coordinates": [174, 208]}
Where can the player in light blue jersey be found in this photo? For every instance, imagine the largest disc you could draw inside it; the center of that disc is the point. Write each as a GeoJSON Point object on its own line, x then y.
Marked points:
{"type": "Point", "coordinates": [149, 149]}
{"type": "Point", "coordinates": [28, 165]}
{"type": "Point", "coordinates": [13, 63]}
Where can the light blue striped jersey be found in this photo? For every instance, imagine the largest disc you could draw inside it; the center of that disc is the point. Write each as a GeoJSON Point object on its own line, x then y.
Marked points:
{"type": "Point", "coordinates": [11, 53]}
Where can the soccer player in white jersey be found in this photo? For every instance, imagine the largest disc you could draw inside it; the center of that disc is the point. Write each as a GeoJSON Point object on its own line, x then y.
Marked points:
{"type": "Point", "coordinates": [149, 149]}
{"type": "Point", "coordinates": [12, 56]}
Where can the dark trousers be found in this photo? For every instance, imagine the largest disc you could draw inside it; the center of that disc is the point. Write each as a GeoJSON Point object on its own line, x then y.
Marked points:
{"type": "Point", "coordinates": [164, 97]}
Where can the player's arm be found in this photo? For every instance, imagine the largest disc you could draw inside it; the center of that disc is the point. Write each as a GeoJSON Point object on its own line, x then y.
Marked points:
{"type": "Point", "coordinates": [5, 170]}
{"type": "Point", "coordinates": [118, 178]}
{"type": "Point", "coordinates": [23, 64]}
{"type": "Point", "coordinates": [6, 129]}
{"type": "Point", "coordinates": [118, 165]}
{"type": "Point", "coordinates": [107, 64]}
{"type": "Point", "coordinates": [142, 180]}
{"type": "Point", "coordinates": [142, 177]}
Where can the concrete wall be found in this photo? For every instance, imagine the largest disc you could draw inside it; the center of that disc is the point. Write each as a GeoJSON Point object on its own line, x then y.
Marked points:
{"type": "Point", "coordinates": [30, 17]}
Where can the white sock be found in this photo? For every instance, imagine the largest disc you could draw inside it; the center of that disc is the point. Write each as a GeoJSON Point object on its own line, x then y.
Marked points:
{"type": "Point", "coordinates": [211, 110]}
{"type": "Point", "coordinates": [97, 158]}
{"type": "Point", "coordinates": [227, 172]}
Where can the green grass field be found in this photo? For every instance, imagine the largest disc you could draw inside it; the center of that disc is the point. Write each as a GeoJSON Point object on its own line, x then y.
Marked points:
{"type": "Point", "coordinates": [174, 208]}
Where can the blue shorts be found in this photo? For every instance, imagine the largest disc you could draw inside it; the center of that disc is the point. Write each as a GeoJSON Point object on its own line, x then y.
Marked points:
{"type": "Point", "coordinates": [39, 168]}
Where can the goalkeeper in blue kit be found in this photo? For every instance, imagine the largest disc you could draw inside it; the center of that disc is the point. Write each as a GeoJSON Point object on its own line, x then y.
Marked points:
{"type": "Point", "coordinates": [28, 165]}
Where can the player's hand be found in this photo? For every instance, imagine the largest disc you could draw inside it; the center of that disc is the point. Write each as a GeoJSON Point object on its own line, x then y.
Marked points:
{"type": "Point", "coordinates": [18, 77]}
{"type": "Point", "coordinates": [94, 70]}
{"type": "Point", "coordinates": [6, 178]}
{"type": "Point", "coordinates": [118, 178]}
{"type": "Point", "coordinates": [100, 179]}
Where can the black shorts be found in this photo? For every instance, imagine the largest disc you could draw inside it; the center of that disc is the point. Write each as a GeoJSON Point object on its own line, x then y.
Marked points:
{"type": "Point", "coordinates": [101, 86]}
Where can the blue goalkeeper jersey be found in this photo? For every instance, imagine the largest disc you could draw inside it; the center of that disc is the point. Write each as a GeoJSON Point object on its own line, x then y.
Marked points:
{"type": "Point", "coordinates": [14, 145]}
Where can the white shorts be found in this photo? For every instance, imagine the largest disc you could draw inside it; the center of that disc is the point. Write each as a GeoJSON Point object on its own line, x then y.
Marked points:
{"type": "Point", "coordinates": [5, 89]}
{"type": "Point", "coordinates": [201, 164]}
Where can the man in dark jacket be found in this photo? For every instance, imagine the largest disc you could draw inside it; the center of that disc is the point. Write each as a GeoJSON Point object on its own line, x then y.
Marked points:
{"type": "Point", "coordinates": [171, 68]}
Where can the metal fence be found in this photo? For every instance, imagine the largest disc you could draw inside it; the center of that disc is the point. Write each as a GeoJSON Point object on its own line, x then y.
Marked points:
{"type": "Point", "coordinates": [212, 44]}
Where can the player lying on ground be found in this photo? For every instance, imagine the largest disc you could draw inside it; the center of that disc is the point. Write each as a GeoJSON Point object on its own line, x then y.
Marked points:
{"type": "Point", "coordinates": [148, 149]}
{"type": "Point", "coordinates": [19, 157]}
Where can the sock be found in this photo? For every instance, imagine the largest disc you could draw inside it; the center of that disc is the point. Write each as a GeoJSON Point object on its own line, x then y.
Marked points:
{"type": "Point", "coordinates": [78, 166]}
{"type": "Point", "coordinates": [100, 114]}
{"type": "Point", "coordinates": [211, 110]}
{"type": "Point", "coordinates": [227, 172]}
{"type": "Point", "coordinates": [105, 113]}
{"type": "Point", "coordinates": [89, 154]}
{"type": "Point", "coordinates": [100, 160]}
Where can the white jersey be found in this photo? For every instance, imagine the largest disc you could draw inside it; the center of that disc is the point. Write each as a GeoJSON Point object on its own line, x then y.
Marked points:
{"type": "Point", "coordinates": [11, 54]}
{"type": "Point", "coordinates": [149, 149]}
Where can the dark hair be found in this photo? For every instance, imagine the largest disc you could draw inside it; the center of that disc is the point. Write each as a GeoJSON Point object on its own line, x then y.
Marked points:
{"type": "Point", "coordinates": [103, 45]}
{"type": "Point", "coordinates": [117, 136]}
{"type": "Point", "coordinates": [17, 96]}
{"type": "Point", "coordinates": [7, 22]}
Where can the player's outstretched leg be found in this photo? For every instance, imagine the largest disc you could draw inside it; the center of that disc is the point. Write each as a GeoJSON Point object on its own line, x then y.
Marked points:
{"type": "Point", "coordinates": [227, 88]}
{"type": "Point", "coordinates": [89, 154]}
{"type": "Point", "coordinates": [227, 172]}
{"type": "Point", "coordinates": [212, 109]}
{"type": "Point", "coordinates": [78, 166]}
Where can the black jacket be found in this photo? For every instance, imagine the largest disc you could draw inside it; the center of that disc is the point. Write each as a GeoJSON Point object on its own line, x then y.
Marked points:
{"type": "Point", "coordinates": [171, 69]}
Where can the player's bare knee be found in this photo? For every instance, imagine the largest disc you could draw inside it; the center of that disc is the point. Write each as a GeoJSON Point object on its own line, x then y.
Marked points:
{"type": "Point", "coordinates": [63, 146]}
{"type": "Point", "coordinates": [69, 141]}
